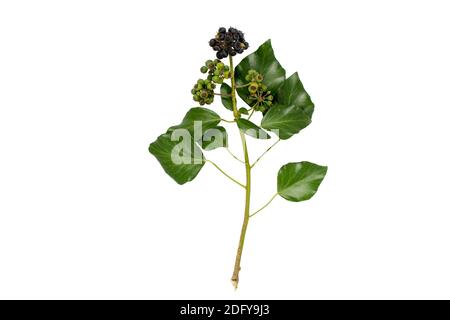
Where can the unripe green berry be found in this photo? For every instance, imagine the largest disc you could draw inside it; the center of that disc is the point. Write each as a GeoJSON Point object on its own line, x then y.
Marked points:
{"type": "Point", "coordinates": [217, 79]}
{"type": "Point", "coordinates": [196, 98]}
{"type": "Point", "coordinates": [204, 69]}
{"type": "Point", "coordinates": [253, 87]}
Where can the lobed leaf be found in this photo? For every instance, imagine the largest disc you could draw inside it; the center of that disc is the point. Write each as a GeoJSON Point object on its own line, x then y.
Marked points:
{"type": "Point", "coordinates": [299, 181]}
{"type": "Point", "coordinates": [225, 91]}
{"type": "Point", "coordinates": [292, 92]}
{"type": "Point", "coordinates": [263, 61]}
{"type": "Point", "coordinates": [181, 158]}
{"type": "Point", "coordinates": [204, 118]}
{"type": "Point", "coordinates": [214, 138]}
{"type": "Point", "coordinates": [251, 129]}
{"type": "Point", "coordinates": [285, 121]}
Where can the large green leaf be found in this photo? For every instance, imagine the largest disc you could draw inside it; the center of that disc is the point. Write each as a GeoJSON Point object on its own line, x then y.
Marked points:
{"type": "Point", "coordinates": [225, 91]}
{"type": "Point", "coordinates": [299, 181]}
{"type": "Point", "coordinates": [203, 118]}
{"type": "Point", "coordinates": [263, 61]}
{"type": "Point", "coordinates": [292, 92]}
{"type": "Point", "coordinates": [285, 121]}
{"type": "Point", "coordinates": [214, 138]}
{"type": "Point", "coordinates": [251, 129]}
{"type": "Point", "coordinates": [181, 159]}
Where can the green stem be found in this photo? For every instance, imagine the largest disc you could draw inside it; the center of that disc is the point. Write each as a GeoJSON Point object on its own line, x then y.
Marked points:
{"type": "Point", "coordinates": [233, 90]}
{"type": "Point", "coordinates": [273, 145]}
{"type": "Point", "coordinates": [253, 110]}
{"type": "Point", "coordinates": [227, 175]}
{"type": "Point", "coordinates": [234, 156]}
{"type": "Point", "coordinates": [264, 206]}
{"type": "Point", "coordinates": [229, 121]}
{"type": "Point", "coordinates": [243, 86]}
{"type": "Point", "coordinates": [251, 113]}
{"type": "Point", "coordinates": [237, 264]}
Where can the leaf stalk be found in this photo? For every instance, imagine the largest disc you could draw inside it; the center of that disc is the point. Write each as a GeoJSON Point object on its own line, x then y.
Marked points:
{"type": "Point", "coordinates": [226, 174]}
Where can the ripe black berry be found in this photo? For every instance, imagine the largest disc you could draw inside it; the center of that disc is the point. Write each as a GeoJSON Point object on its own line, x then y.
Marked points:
{"type": "Point", "coordinates": [222, 54]}
{"type": "Point", "coordinates": [228, 42]}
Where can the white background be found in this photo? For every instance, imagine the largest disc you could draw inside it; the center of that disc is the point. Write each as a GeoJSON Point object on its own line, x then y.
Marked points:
{"type": "Point", "coordinates": [87, 212]}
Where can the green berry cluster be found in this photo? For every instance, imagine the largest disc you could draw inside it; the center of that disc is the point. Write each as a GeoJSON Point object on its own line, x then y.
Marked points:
{"type": "Point", "coordinates": [203, 91]}
{"type": "Point", "coordinates": [217, 70]}
{"type": "Point", "coordinates": [260, 97]}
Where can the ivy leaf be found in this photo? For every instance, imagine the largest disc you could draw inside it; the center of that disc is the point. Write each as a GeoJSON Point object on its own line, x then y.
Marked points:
{"type": "Point", "coordinates": [263, 61]}
{"type": "Point", "coordinates": [214, 138]}
{"type": "Point", "coordinates": [225, 91]}
{"type": "Point", "coordinates": [181, 159]}
{"type": "Point", "coordinates": [299, 181]}
{"type": "Point", "coordinates": [292, 92]}
{"type": "Point", "coordinates": [285, 121]}
{"type": "Point", "coordinates": [251, 129]}
{"type": "Point", "coordinates": [201, 117]}
{"type": "Point", "coordinates": [243, 111]}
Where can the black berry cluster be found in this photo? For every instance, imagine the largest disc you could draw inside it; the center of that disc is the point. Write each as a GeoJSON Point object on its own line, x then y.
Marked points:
{"type": "Point", "coordinates": [217, 70]}
{"type": "Point", "coordinates": [228, 42]}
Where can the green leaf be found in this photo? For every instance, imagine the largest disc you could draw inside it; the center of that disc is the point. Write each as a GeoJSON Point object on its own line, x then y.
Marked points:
{"type": "Point", "coordinates": [299, 181]}
{"type": "Point", "coordinates": [285, 121]}
{"type": "Point", "coordinates": [203, 118]}
{"type": "Point", "coordinates": [292, 92]}
{"type": "Point", "coordinates": [181, 160]}
{"type": "Point", "coordinates": [225, 91]}
{"type": "Point", "coordinates": [243, 111]}
{"type": "Point", "coordinates": [214, 138]}
{"type": "Point", "coordinates": [263, 61]}
{"type": "Point", "coordinates": [251, 129]}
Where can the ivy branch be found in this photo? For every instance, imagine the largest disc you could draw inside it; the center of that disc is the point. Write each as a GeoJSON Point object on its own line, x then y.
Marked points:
{"type": "Point", "coordinates": [261, 82]}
